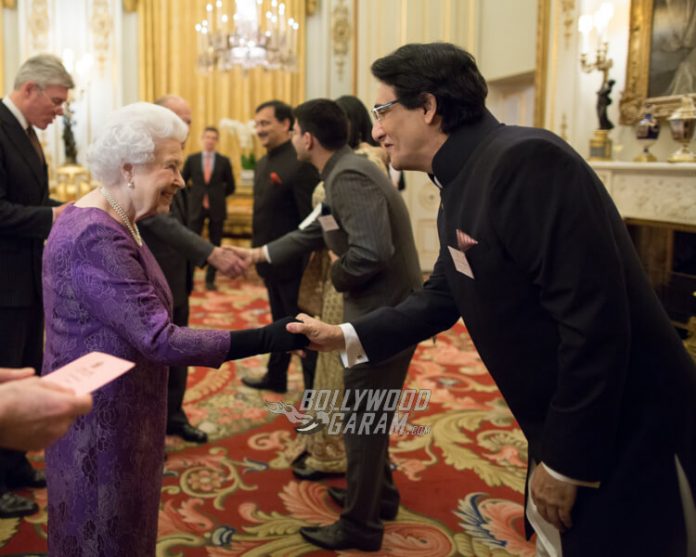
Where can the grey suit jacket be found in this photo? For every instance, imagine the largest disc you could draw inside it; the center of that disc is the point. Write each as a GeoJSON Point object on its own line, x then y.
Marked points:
{"type": "Point", "coordinates": [175, 247]}
{"type": "Point", "coordinates": [378, 262]}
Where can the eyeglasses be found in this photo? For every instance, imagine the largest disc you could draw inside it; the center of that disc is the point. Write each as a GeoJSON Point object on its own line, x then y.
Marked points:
{"type": "Point", "coordinates": [58, 102]}
{"type": "Point", "coordinates": [379, 109]}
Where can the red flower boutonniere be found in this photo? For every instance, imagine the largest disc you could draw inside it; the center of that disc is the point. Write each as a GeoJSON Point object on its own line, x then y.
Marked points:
{"type": "Point", "coordinates": [275, 179]}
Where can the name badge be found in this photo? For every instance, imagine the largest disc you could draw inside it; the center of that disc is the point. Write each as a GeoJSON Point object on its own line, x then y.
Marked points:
{"type": "Point", "coordinates": [461, 263]}
{"type": "Point", "coordinates": [328, 223]}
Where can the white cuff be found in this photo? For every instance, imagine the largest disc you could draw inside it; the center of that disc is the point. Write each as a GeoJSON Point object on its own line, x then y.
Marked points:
{"type": "Point", "coordinates": [560, 477]}
{"type": "Point", "coordinates": [266, 254]}
{"type": "Point", "coordinates": [354, 353]}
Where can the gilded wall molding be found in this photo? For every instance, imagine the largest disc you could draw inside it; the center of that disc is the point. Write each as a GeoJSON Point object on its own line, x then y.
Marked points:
{"type": "Point", "coordinates": [564, 127]}
{"type": "Point", "coordinates": [130, 5]}
{"type": "Point", "coordinates": [542, 61]}
{"type": "Point", "coordinates": [9, 4]}
{"type": "Point", "coordinates": [568, 9]}
{"type": "Point", "coordinates": [101, 25]}
{"type": "Point", "coordinates": [39, 26]}
{"type": "Point", "coordinates": [341, 34]}
{"type": "Point", "coordinates": [311, 6]}
{"type": "Point", "coordinates": [635, 93]}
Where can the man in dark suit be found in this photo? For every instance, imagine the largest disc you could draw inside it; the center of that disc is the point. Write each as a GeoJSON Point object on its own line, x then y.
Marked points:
{"type": "Point", "coordinates": [211, 180]}
{"type": "Point", "coordinates": [536, 259]}
{"type": "Point", "coordinates": [283, 189]}
{"type": "Point", "coordinates": [375, 264]}
{"type": "Point", "coordinates": [177, 249]}
{"type": "Point", "coordinates": [26, 217]}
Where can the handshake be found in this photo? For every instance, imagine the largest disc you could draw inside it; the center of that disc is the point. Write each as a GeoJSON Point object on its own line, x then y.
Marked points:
{"type": "Point", "coordinates": [234, 261]}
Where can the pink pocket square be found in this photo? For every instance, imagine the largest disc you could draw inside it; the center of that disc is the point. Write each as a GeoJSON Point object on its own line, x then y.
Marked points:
{"type": "Point", "coordinates": [464, 241]}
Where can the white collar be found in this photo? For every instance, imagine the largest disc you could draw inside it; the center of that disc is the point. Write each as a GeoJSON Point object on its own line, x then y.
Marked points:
{"type": "Point", "coordinates": [16, 112]}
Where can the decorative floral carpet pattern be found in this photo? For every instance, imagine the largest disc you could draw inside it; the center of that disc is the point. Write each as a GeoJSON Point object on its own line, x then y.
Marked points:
{"type": "Point", "coordinates": [461, 482]}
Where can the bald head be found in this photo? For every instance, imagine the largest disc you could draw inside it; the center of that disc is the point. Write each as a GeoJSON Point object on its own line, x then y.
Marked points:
{"type": "Point", "coordinates": [177, 105]}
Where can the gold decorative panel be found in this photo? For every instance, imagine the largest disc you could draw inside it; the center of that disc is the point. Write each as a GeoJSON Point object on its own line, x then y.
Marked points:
{"type": "Point", "coordinates": [101, 26]}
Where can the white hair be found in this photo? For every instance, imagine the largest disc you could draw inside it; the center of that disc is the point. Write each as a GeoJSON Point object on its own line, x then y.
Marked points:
{"type": "Point", "coordinates": [130, 136]}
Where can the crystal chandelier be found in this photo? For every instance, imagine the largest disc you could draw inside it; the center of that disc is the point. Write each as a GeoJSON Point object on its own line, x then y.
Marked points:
{"type": "Point", "coordinates": [253, 38]}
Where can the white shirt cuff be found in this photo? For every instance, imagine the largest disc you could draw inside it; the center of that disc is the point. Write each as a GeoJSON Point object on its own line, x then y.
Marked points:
{"type": "Point", "coordinates": [354, 353]}
{"type": "Point", "coordinates": [560, 477]}
{"type": "Point", "coordinates": [266, 254]}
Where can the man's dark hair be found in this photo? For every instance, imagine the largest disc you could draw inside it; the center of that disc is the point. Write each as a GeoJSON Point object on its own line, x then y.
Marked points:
{"type": "Point", "coordinates": [360, 129]}
{"type": "Point", "coordinates": [212, 129]}
{"type": "Point", "coordinates": [325, 120]}
{"type": "Point", "coordinates": [442, 69]}
{"type": "Point", "coordinates": [281, 111]}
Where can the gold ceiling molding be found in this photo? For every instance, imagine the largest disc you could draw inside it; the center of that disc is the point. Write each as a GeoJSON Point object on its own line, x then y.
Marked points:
{"type": "Point", "coordinates": [542, 61]}
{"type": "Point", "coordinates": [341, 33]}
{"type": "Point", "coordinates": [568, 8]}
{"type": "Point", "coordinates": [39, 26]}
{"type": "Point", "coordinates": [102, 26]}
{"type": "Point", "coordinates": [9, 4]}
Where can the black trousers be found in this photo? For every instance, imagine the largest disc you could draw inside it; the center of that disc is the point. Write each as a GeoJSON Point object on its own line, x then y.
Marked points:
{"type": "Point", "coordinates": [368, 474]}
{"type": "Point", "coordinates": [178, 375]}
{"type": "Point", "coordinates": [21, 345]}
{"type": "Point", "coordinates": [282, 297]}
{"type": "Point", "coordinates": [215, 230]}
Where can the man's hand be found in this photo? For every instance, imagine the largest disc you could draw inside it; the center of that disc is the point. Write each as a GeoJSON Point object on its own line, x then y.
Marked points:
{"type": "Point", "coordinates": [322, 336]}
{"type": "Point", "coordinates": [251, 255]}
{"type": "Point", "coordinates": [34, 413]}
{"type": "Point", "coordinates": [333, 257]}
{"type": "Point", "coordinates": [228, 262]}
{"type": "Point", "coordinates": [554, 498]}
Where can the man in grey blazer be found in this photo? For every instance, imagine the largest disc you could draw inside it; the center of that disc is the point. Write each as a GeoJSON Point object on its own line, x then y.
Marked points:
{"type": "Point", "coordinates": [177, 249]}
{"type": "Point", "coordinates": [368, 228]}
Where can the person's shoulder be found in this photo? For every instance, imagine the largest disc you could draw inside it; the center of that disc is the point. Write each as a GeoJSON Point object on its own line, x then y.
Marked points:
{"type": "Point", "coordinates": [534, 144]}
{"type": "Point", "coordinates": [81, 231]}
{"type": "Point", "coordinates": [86, 226]}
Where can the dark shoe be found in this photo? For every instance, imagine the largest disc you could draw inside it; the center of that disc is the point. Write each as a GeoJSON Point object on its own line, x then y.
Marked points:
{"type": "Point", "coordinates": [303, 472]}
{"type": "Point", "coordinates": [264, 383]}
{"type": "Point", "coordinates": [210, 286]}
{"type": "Point", "coordinates": [15, 506]}
{"type": "Point", "coordinates": [28, 477]}
{"type": "Point", "coordinates": [334, 537]}
{"type": "Point", "coordinates": [386, 511]}
{"type": "Point", "coordinates": [188, 433]}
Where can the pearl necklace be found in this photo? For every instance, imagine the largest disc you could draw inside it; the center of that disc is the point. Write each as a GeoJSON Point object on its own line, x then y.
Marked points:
{"type": "Point", "coordinates": [132, 227]}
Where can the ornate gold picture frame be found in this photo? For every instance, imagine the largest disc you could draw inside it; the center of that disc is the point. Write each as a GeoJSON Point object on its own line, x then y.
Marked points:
{"type": "Point", "coordinates": [635, 94]}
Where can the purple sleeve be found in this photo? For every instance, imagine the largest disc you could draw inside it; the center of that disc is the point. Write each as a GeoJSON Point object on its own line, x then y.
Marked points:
{"type": "Point", "coordinates": [112, 284]}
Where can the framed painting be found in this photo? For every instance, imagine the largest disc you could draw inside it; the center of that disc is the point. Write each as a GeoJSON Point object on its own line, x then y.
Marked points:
{"type": "Point", "coordinates": [661, 65]}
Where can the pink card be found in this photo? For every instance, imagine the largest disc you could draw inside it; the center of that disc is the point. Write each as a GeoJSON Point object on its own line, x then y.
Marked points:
{"type": "Point", "coordinates": [89, 372]}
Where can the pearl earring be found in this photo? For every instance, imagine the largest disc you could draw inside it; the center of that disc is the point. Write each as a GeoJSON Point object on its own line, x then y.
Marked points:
{"type": "Point", "coordinates": [131, 184]}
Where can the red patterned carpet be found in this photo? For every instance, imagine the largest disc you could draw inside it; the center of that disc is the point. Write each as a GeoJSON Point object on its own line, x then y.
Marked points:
{"type": "Point", "coordinates": [461, 484]}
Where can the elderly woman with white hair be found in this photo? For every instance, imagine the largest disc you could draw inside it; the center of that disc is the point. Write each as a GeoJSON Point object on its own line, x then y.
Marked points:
{"type": "Point", "coordinates": [104, 291]}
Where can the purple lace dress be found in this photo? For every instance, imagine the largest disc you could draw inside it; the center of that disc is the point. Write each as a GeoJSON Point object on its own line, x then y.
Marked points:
{"type": "Point", "coordinates": [102, 292]}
